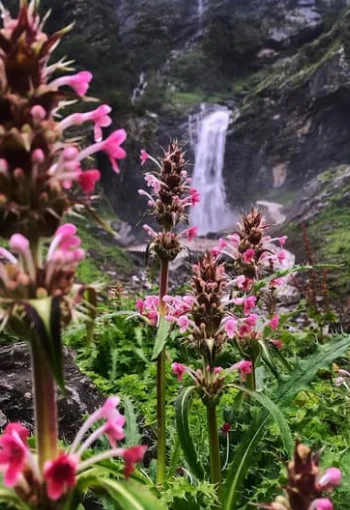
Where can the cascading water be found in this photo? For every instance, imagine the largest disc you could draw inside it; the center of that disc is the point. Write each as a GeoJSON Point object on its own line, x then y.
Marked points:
{"type": "Point", "coordinates": [212, 213]}
{"type": "Point", "coordinates": [200, 10]}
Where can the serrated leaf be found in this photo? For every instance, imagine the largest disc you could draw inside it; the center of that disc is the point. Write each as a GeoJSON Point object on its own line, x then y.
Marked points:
{"type": "Point", "coordinates": [161, 338]}
{"type": "Point", "coordinates": [182, 406]}
{"type": "Point", "coordinates": [299, 379]}
{"type": "Point", "coordinates": [131, 428]}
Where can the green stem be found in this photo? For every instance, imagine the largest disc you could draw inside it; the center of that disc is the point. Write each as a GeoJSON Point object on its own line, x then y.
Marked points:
{"type": "Point", "coordinates": [45, 406]}
{"type": "Point", "coordinates": [161, 418]}
{"type": "Point", "coordinates": [215, 463]}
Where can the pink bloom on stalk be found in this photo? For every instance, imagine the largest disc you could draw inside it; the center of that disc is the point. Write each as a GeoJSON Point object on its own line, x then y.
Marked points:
{"type": "Point", "coordinates": [38, 113]}
{"type": "Point", "coordinates": [195, 196]}
{"type": "Point", "coordinates": [112, 147]}
{"type": "Point", "coordinates": [184, 323]}
{"type": "Point", "coordinates": [244, 330]}
{"type": "Point", "coordinates": [321, 504]}
{"type": "Point", "coordinates": [217, 370]}
{"type": "Point", "coordinates": [277, 343]}
{"type": "Point", "coordinates": [248, 256]}
{"type": "Point", "coordinates": [282, 240]}
{"type": "Point", "coordinates": [278, 282]}
{"type": "Point", "coordinates": [239, 282]}
{"type": "Point", "coordinates": [149, 231]}
{"type": "Point", "coordinates": [88, 179]}
{"type": "Point", "coordinates": [230, 327]}
{"type": "Point", "coordinates": [248, 304]}
{"type": "Point", "coordinates": [274, 322]}
{"type": "Point", "coordinates": [140, 305]}
{"type": "Point", "coordinates": [190, 233]}
{"type": "Point", "coordinates": [144, 156]}
{"type": "Point", "coordinates": [38, 156]}
{"type": "Point", "coordinates": [19, 243]}
{"type": "Point", "coordinates": [78, 82]}
{"type": "Point", "coordinates": [60, 475]}
{"type": "Point", "coordinates": [179, 369]}
{"type": "Point", "coordinates": [234, 239]}
{"type": "Point", "coordinates": [101, 119]}
{"type": "Point", "coordinates": [13, 452]}
{"type": "Point", "coordinates": [244, 366]}
{"type": "Point", "coordinates": [153, 182]}
{"type": "Point", "coordinates": [132, 456]}
{"type": "Point", "coordinates": [331, 478]}
{"type": "Point", "coordinates": [281, 256]}
{"type": "Point", "coordinates": [115, 421]}
{"type": "Point", "coordinates": [252, 319]}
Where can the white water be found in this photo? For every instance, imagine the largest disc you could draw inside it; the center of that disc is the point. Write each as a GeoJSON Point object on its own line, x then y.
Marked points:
{"type": "Point", "coordinates": [140, 89]}
{"type": "Point", "coordinates": [212, 213]}
{"type": "Point", "coordinates": [200, 10]}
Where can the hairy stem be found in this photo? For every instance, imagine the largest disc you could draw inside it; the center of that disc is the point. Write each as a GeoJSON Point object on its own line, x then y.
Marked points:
{"type": "Point", "coordinates": [161, 418]}
{"type": "Point", "coordinates": [45, 406]}
{"type": "Point", "coordinates": [215, 463]}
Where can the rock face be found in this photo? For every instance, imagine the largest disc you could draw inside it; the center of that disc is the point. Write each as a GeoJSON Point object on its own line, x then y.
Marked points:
{"type": "Point", "coordinates": [16, 397]}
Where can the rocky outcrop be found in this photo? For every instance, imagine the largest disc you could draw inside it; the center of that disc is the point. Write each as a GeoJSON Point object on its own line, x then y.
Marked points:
{"type": "Point", "coordinates": [16, 393]}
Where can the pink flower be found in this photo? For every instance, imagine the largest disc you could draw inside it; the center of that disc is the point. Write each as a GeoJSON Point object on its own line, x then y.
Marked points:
{"type": "Point", "coordinates": [278, 282]}
{"type": "Point", "coordinates": [179, 369]}
{"type": "Point", "coordinates": [38, 113]}
{"type": "Point", "coordinates": [78, 82]}
{"type": "Point", "coordinates": [239, 282]}
{"type": "Point", "coordinates": [321, 504]}
{"type": "Point", "coordinates": [17, 428]}
{"type": "Point", "coordinates": [13, 453]}
{"type": "Point", "coordinates": [277, 343]}
{"type": "Point", "coordinates": [282, 240]}
{"type": "Point", "coordinates": [230, 327]}
{"type": "Point", "coordinates": [149, 230]}
{"type": "Point", "coordinates": [281, 256]}
{"type": "Point", "coordinates": [244, 366]}
{"type": "Point", "coordinates": [226, 428]}
{"type": "Point", "coordinates": [19, 243]}
{"type": "Point", "coordinates": [234, 239]}
{"type": "Point", "coordinates": [252, 319]}
{"type": "Point", "coordinates": [331, 478]}
{"type": "Point", "coordinates": [140, 305]}
{"type": "Point", "coordinates": [144, 156]}
{"type": "Point", "coordinates": [131, 457]}
{"type": "Point", "coordinates": [248, 304]}
{"type": "Point", "coordinates": [190, 233]}
{"type": "Point", "coordinates": [183, 323]}
{"type": "Point", "coordinates": [101, 119]}
{"type": "Point", "coordinates": [87, 180]}
{"type": "Point", "coordinates": [248, 256]}
{"type": "Point", "coordinates": [217, 370]}
{"type": "Point", "coordinates": [112, 147]}
{"type": "Point", "coordinates": [274, 322]}
{"type": "Point", "coordinates": [60, 475]}
{"type": "Point", "coordinates": [114, 428]}
{"type": "Point", "coordinates": [153, 182]}
{"type": "Point", "coordinates": [195, 196]}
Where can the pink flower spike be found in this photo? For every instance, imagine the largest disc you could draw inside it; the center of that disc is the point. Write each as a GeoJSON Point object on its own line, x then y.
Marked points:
{"type": "Point", "coordinates": [13, 454]}
{"type": "Point", "coordinates": [244, 366]}
{"type": "Point", "coordinates": [132, 456]}
{"type": "Point", "coordinates": [321, 504]}
{"type": "Point", "coordinates": [144, 156]}
{"type": "Point", "coordinates": [60, 475]}
{"type": "Point", "coordinates": [231, 327]}
{"type": "Point", "coordinates": [87, 180]}
{"type": "Point", "coordinates": [112, 147]}
{"type": "Point", "coordinates": [331, 478]}
{"type": "Point", "coordinates": [179, 369]}
{"type": "Point", "coordinates": [274, 322]}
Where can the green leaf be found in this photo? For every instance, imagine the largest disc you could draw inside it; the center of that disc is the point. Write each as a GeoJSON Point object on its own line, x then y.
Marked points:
{"type": "Point", "coordinates": [130, 495]}
{"type": "Point", "coordinates": [182, 406]}
{"type": "Point", "coordinates": [161, 338]}
{"type": "Point", "coordinates": [90, 295]}
{"type": "Point", "coordinates": [11, 499]}
{"type": "Point", "coordinates": [298, 380]}
{"type": "Point", "coordinates": [131, 428]}
{"type": "Point", "coordinates": [46, 316]}
{"type": "Point", "coordinates": [276, 414]}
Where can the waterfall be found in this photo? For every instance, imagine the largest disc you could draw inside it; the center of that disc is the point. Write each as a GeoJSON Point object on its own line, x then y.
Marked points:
{"type": "Point", "coordinates": [140, 89]}
{"type": "Point", "coordinates": [200, 10]}
{"type": "Point", "coordinates": [212, 213]}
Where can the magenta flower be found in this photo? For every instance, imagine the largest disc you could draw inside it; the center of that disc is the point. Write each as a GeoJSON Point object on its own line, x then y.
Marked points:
{"type": "Point", "coordinates": [230, 327]}
{"type": "Point", "coordinates": [322, 504]}
{"type": "Point", "coordinates": [13, 452]}
{"type": "Point", "coordinates": [78, 82]}
{"type": "Point", "coordinates": [248, 256]}
{"type": "Point", "coordinates": [274, 322]}
{"type": "Point", "coordinates": [331, 478]}
{"type": "Point", "coordinates": [87, 180]}
{"type": "Point", "coordinates": [60, 475]}
{"type": "Point", "coordinates": [277, 343]}
{"type": "Point", "coordinates": [112, 147]}
{"type": "Point", "coordinates": [179, 369]}
{"type": "Point", "coordinates": [131, 457]}
{"type": "Point", "coordinates": [195, 196]}
{"type": "Point", "coordinates": [144, 156]}
{"type": "Point", "coordinates": [184, 323]}
{"type": "Point", "coordinates": [190, 233]}
{"type": "Point", "coordinates": [244, 366]}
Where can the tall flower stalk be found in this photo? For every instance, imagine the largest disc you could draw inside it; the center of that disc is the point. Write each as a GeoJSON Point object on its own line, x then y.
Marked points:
{"type": "Point", "coordinates": [169, 199]}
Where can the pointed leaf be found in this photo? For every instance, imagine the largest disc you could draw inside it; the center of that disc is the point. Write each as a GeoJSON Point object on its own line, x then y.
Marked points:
{"type": "Point", "coordinates": [297, 381]}
{"type": "Point", "coordinates": [11, 499]}
{"type": "Point", "coordinates": [161, 338]}
{"type": "Point", "coordinates": [130, 495]}
{"type": "Point", "coordinates": [131, 428]}
{"type": "Point", "coordinates": [90, 295]}
{"type": "Point", "coordinates": [182, 406]}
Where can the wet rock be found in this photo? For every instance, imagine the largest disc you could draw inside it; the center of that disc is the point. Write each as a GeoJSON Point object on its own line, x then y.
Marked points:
{"type": "Point", "coordinates": [16, 393]}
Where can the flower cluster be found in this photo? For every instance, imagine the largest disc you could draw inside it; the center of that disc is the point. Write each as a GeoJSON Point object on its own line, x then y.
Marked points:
{"type": "Point", "coordinates": [59, 476]}
{"type": "Point", "coordinates": [169, 199]}
{"type": "Point", "coordinates": [306, 483]}
{"type": "Point", "coordinates": [37, 162]}
{"type": "Point", "coordinates": [252, 251]}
